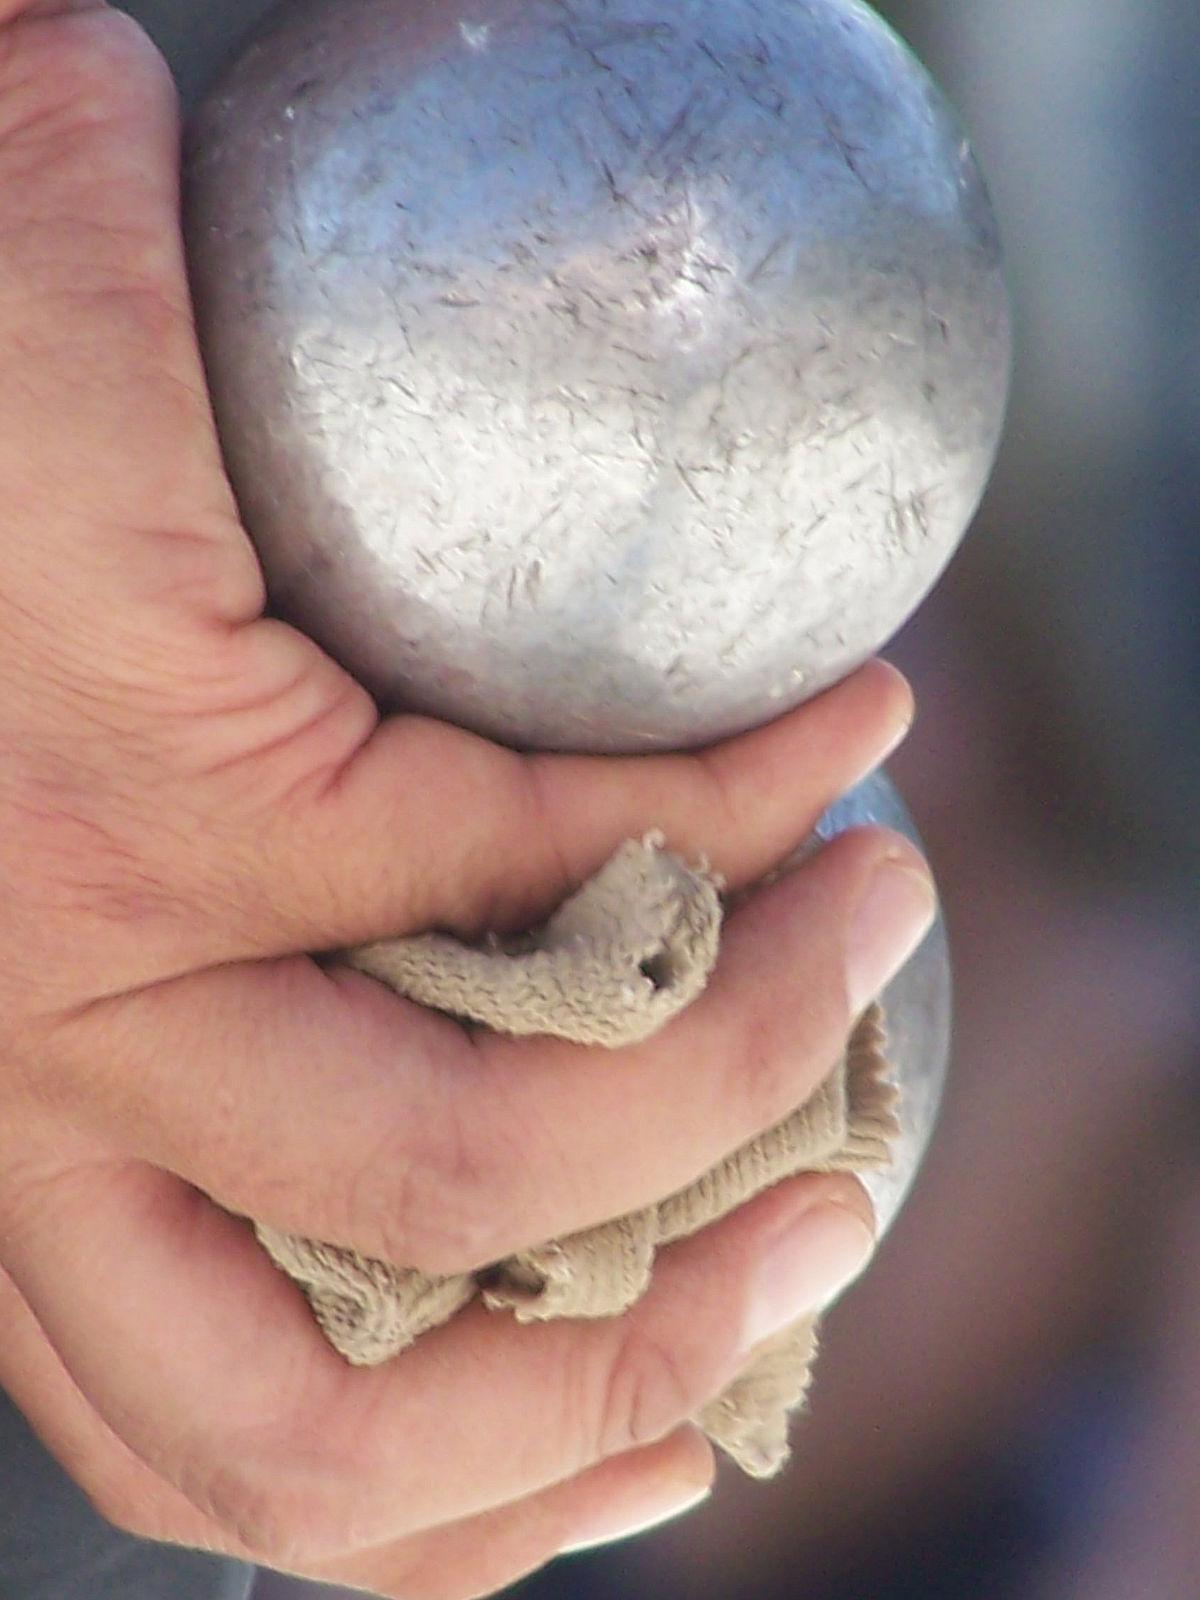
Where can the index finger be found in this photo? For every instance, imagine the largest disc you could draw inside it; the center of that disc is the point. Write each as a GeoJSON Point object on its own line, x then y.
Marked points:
{"type": "Point", "coordinates": [427, 826]}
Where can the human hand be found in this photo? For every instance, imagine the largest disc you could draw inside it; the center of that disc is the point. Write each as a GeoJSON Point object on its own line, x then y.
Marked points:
{"type": "Point", "coordinates": [192, 796]}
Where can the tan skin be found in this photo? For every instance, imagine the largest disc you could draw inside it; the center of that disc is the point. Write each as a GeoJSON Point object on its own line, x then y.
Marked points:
{"type": "Point", "coordinates": [191, 797]}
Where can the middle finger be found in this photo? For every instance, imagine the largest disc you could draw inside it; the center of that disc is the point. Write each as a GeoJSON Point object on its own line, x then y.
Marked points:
{"type": "Point", "coordinates": [322, 1105]}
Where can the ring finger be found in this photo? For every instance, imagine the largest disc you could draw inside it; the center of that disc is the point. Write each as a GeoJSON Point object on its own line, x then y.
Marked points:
{"type": "Point", "coordinates": [206, 1362]}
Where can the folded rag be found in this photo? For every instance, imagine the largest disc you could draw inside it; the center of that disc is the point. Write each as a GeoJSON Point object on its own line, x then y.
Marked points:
{"type": "Point", "coordinates": [622, 957]}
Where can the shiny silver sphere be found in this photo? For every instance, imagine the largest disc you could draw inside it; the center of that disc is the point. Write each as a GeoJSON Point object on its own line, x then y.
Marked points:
{"type": "Point", "coordinates": [918, 1005]}
{"type": "Point", "coordinates": [597, 374]}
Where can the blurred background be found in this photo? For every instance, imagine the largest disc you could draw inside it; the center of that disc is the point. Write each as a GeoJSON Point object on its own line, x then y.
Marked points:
{"type": "Point", "coordinates": [1005, 1406]}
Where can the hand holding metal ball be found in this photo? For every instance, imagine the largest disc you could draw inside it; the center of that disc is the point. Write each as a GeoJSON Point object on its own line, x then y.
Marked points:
{"type": "Point", "coordinates": [611, 376]}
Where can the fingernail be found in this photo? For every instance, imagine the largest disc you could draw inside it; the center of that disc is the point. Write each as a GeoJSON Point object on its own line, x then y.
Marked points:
{"type": "Point", "coordinates": [895, 914]}
{"type": "Point", "coordinates": [811, 1261]}
{"type": "Point", "coordinates": [669, 1500]}
{"type": "Point", "coordinates": [895, 737]}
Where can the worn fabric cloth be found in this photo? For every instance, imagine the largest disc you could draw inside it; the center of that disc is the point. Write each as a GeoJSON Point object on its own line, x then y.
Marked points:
{"type": "Point", "coordinates": [620, 959]}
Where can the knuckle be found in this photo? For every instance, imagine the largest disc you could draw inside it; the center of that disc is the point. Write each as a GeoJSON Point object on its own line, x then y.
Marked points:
{"type": "Point", "coordinates": [645, 1390]}
{"type": "Point", "coordinates": [424, 1185]}
{"type": "Point", "coordinates": [423, 1207]}
{"type": "Point", "coordinates": [762, 1069]}
{"type": "Point", "coordinates": [538, 773]}
{"type": "Point", "coordinates": [269, 716]}
{"type": "Point", "coordinates": [767, 1060]}
{"type": "Point", "coordinates": [445, 1223]}
{"type": "Point", "coordinates": [262, 1508]}
{"type": "Point", "coordinates": [782, 1034]}
{"type": "Point", "coordinates": [728, 802]}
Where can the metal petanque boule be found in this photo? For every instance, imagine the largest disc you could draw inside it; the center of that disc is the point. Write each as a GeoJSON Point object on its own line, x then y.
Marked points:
{"type": "Point", "coordinates": [606, 375]}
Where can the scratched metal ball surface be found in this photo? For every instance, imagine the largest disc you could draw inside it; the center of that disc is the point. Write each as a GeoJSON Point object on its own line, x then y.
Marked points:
{"type": "Point", "coordinates": [918, 1003]}
{"type": "Point", "coordinates": [606, 374]}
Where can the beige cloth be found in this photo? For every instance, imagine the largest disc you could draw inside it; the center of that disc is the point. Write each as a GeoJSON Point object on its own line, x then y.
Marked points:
{"type": "Point", "coordinates": [614, 964]}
